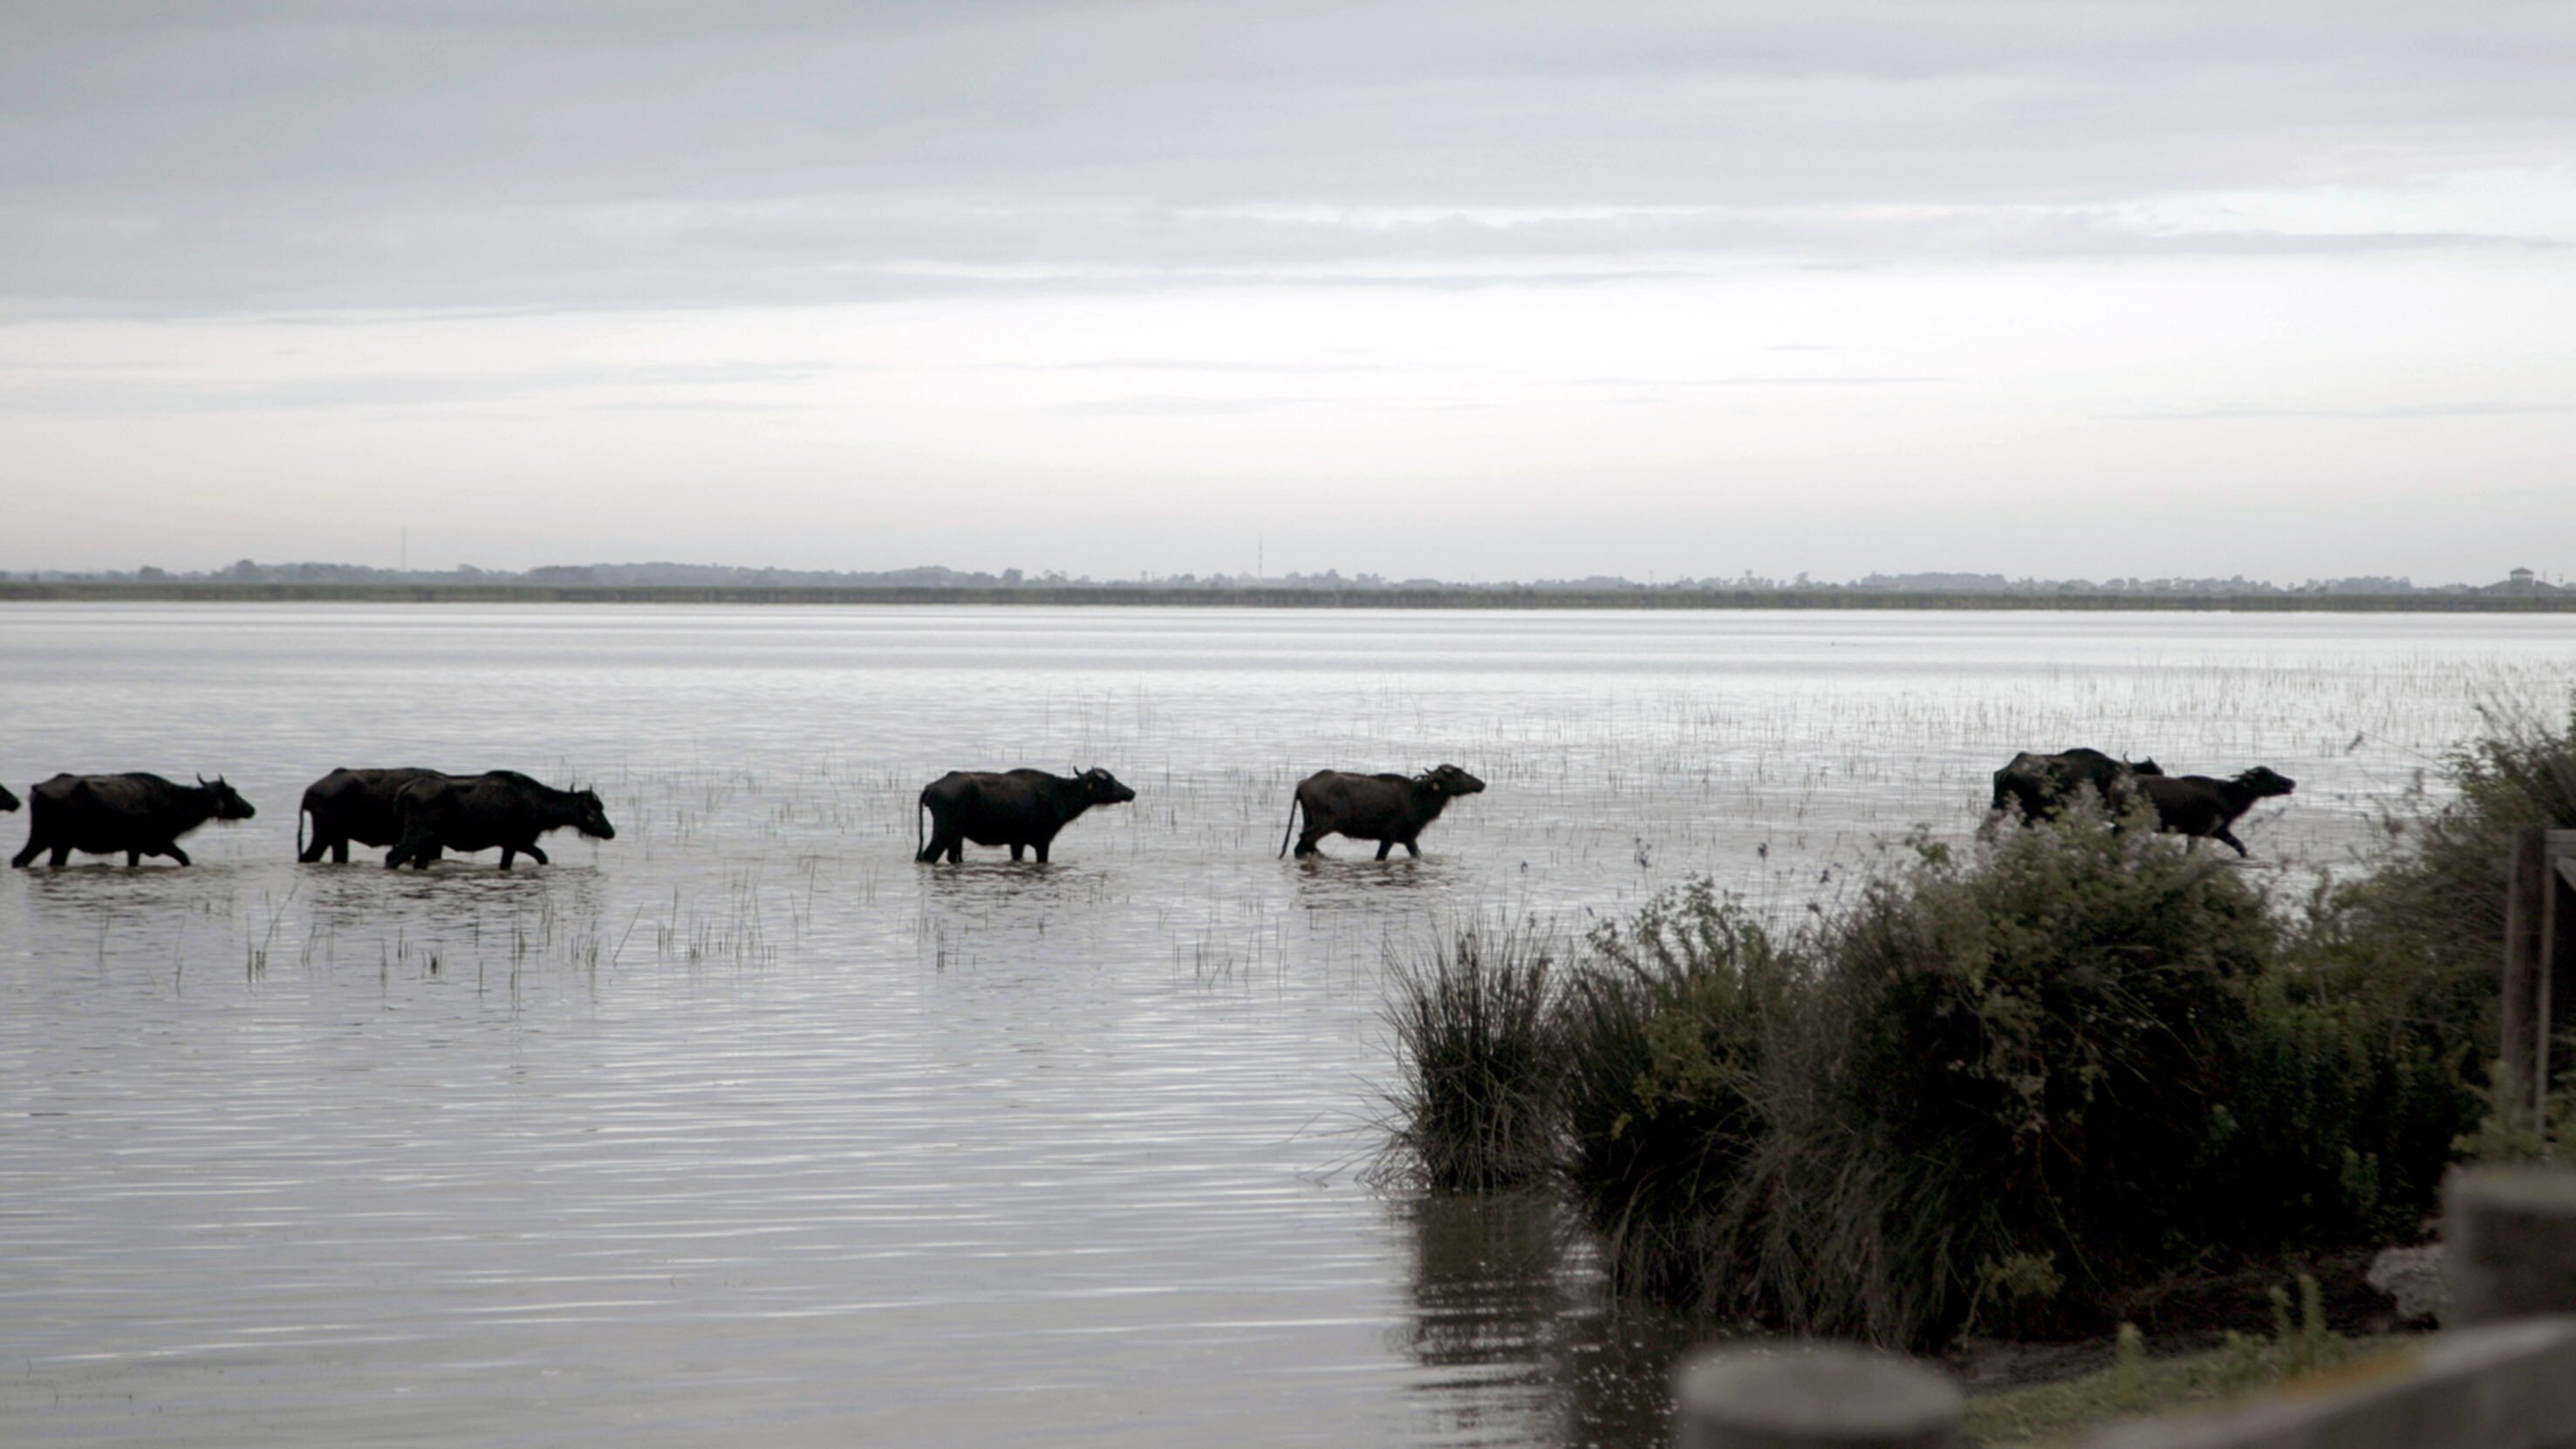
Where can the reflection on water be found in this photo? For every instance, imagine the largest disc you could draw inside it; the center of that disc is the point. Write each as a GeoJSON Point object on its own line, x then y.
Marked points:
{"type": "Point", "coordinates": [1505, 1300]}
{"type": "Point", "coordinates": [744, 1118]}
{"type": "Point", "coordinates": [1490, 1295]}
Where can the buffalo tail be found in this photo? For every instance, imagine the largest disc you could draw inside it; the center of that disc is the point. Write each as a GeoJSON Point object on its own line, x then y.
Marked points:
{"type": "Point", "coordinates": [1293, 802]}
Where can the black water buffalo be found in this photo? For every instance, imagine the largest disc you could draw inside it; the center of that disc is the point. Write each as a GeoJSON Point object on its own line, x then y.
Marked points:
{"type": "Point", "coordinates": [356, 805]}
{"type": "Point", "coordinates": [8, 802]}
{"type": "Point", "coordinates": [2200, 806]}
{"type": "Point", "coordinates": [2034, 787]}
{"type": "Point", "coordinates": [1389, 809]}
{"type": "Point", "coordinates": [496, 808]}
{"type": "Point", "coordinates": [138, 814]}
{"type": "Point", "coordinates": [1022, 809]}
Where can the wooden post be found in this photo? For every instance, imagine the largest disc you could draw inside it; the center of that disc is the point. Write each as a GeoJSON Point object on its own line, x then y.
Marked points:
{"type": "Point", "coordinates": [2556, 1008]}
{"type": "Point", "coordinates": [2529, 888]}
{"type": "Point", "coordinates": [1812, 1396]}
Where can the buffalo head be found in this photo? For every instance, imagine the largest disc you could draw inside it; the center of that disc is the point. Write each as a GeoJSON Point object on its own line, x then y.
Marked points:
{"type": "Point", "coordinates": [2263, 782]}
{"type": "Point", "coordinates": [8, 802]}
{"type": "Point", "coordinates": [1102, 788]}
{"type": "Point", "coordinates": [2145, 767]}
{"type": "Point", "coordinates": [592, 818]}
{"type": "Point", "coordinates": [229, 805]}
{"type": "Point", "coordinates": [1450, 780]}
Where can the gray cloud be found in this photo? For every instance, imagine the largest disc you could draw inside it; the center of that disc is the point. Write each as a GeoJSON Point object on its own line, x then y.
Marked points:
{"type": "Point", "coordinates": [171, 158]}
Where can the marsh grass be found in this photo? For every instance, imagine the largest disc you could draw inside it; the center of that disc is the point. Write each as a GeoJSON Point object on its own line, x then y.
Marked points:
{"type": "Point", "coordinates": [1474, 1019]}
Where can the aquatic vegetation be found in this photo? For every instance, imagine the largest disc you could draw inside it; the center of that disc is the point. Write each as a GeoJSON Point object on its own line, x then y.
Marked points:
{"type": "Point", "coordinates": [1474, 1022]}
{"type": "Point", "coordinates": [2000, 1089]}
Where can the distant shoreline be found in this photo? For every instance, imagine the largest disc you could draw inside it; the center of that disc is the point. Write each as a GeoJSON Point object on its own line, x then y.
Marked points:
{"type": "Point", "coordinates": [1286, 598]}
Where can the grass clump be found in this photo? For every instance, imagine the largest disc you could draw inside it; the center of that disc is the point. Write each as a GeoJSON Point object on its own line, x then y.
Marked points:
{"type": "Point", "coordinates": [1475, 1023]}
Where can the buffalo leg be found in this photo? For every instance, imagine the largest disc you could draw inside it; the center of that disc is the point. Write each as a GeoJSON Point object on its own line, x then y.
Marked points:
{"type": "Point", "coordinates": [508, 853]}
{"type": "Point", "coordinates": [1413, 850]}
{"type": "Point", "coordinates": [62, 857]}
{"type": "Point", "coordinates": [339, 851]}
{"type": "Point", "coordinates": [1383, 847]}
{"type": "Point", "coordinates": [134, 858]}
{"type": "Point", "coordinates": [21, 860]}
{"type": "Point", "coordinates": [1041, 850]}
{"type": "Point", "coordinates": [2223, 834]}
{"type": "Point", "coordinates": [1306, 844]}
{"type": "Point", "coordinates": [312, 852]}
{"type": "Point", "coordinates": [1017, 851]}
{"type": "Point", "coordinates": [531, 852]}
{"type": "Point", "coordinates": [173, 851]}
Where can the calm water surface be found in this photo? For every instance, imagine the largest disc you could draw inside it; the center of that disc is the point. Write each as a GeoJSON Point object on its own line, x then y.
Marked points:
{"type": "Point", "coordinates": [744, 1124]}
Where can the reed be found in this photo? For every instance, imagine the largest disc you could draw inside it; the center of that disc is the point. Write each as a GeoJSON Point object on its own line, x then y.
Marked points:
{"type": "Point", "coordinates": [1474, 1018]}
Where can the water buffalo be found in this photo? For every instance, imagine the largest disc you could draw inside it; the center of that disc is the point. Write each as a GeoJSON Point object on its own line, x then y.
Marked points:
{"type": "Point", "coordinates": [1022, 809]}
{"type": "Point", "coordinates": [2200, 806]}
{"type": "Point", "coordinates": [2034, 787]}
{"type": "Point", "coordinates": [496, 808]}
{"type": "Point", "coordinates": [1389, 809]}
{"type": "Point", "coordinates": [138, 814]}
{"type": "Point", "coordinates": [356, 805]}
{"type": "Point", "coordinates": [8, 802]}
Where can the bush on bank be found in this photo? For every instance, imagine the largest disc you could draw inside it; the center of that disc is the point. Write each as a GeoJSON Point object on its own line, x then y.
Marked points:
{"type": "Point", "coordinates": [2015, 1082]}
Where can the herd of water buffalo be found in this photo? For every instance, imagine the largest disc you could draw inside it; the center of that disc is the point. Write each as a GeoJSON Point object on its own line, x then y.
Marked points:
{"type": "Point", "coordinates": [424, 814]}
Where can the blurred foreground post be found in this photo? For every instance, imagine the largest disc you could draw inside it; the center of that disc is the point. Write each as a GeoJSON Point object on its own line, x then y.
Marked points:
{"type": "Point", "coordinates": [2509, 1385]}
{"type": "Point", "coordinates": [1812, 1396]}
{"type": "Point", "coordinates": [2509, 1242]}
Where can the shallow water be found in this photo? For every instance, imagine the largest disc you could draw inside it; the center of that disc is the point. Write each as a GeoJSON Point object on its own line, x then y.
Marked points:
{"type": "Point", "coordinates": [744, 1122]}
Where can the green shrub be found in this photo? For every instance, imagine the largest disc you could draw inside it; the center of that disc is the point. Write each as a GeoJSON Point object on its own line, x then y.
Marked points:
{"type": "Point", "coordinates": [2046, 1045]}
{"type": "Point", "coordinates": [2006, 1088]}
{"type": "Point", "coordinates": [1666, 1032]}
{"type": "Point", "coordinates": [2412, 947]}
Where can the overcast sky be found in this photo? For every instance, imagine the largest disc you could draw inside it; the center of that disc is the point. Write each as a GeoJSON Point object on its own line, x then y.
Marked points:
{"type": "Point", "coordinates": [1473, 290]}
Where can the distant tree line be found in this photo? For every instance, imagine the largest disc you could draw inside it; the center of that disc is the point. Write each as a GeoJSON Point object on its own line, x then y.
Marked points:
{"type": "Point", "coordinates": [613, 575]}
